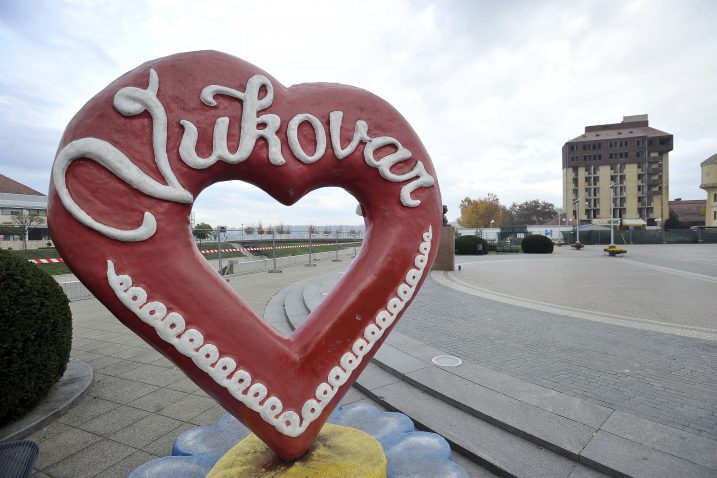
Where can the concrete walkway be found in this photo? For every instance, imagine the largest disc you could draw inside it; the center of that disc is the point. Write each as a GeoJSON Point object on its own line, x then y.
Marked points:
{"type": "Point", "coordinates": [636, 335]}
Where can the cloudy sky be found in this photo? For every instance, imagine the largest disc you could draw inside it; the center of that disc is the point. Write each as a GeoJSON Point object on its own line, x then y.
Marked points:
{"type": "Point", "coordinates": [494, 89]}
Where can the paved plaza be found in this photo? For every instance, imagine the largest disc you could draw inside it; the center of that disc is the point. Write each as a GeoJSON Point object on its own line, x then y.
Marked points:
{"type": "Point", "coordinates": [635, 334]}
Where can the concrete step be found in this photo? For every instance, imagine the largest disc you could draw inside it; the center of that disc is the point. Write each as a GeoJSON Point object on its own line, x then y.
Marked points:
{"type": "Point", "coordinates": [502, 452]}
{"type": "Point", "coordinates": [513, 427]}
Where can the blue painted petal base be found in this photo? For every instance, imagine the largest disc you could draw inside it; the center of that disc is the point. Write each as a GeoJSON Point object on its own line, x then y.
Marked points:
{"type": "Point", "coordinates": [409, 453]}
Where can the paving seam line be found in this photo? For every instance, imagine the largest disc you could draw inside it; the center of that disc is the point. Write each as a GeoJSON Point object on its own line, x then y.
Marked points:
{"type": "Point", "coordinates": [693, 275]}
{"type": "Point", "coordinates": [447, 280]}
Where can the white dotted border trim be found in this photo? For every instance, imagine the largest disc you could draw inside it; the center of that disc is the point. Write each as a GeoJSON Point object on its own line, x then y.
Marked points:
{"type": "Point", "coordinates": [237, 381]}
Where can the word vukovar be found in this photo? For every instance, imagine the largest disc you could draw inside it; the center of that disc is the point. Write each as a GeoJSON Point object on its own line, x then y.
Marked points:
{"type": "Point", "coordinates": [132, 101]}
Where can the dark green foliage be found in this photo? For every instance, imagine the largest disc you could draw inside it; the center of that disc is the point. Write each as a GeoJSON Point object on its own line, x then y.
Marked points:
{"type": "Point", "coordinates": [537, 244]}
{"type": "Point", "coordinates": [36, 325]}
{"type": "Point", "coordinates": [469, 245]}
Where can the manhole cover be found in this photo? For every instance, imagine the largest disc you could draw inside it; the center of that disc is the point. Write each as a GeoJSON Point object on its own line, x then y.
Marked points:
{"type": "Point", "coordinates": [447, 361]}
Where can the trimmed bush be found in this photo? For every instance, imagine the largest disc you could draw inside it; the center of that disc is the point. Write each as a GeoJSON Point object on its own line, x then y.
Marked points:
{"type": "Point", "coordinates": [537, 244]}
{"type": "Point", "coordinates": [36, 325]}
{"type": "Point", "coordinates": [469, 245]}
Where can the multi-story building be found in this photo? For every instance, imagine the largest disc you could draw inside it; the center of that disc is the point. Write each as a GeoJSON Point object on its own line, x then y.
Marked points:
{"type": "Point", "coordinates": [709, 184]}
{"type": "Point", "coordinates": [18, 199]}
{"type": "Point", "coordinates": [627, 162]}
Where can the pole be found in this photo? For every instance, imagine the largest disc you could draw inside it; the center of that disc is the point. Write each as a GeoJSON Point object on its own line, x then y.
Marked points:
{"type": "Point", "coordinates": [337, 247]}
{"type": "Point", "coordinates": [273, 251]}
{"type": "Point", "coordinates": [612, 213]}
{"type": "Point", "coordinates": [219, 242]}
{"type": "Point", "coordinates": [311, 261]}
{"type": "Point", "coordinates": [576, 203]}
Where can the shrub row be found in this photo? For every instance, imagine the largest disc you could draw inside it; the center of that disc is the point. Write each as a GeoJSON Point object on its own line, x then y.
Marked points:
{"type": "Point", "coordinates": [469, 245]}
{"type": "Point", "coordinates": [537, 244]}
{"type": "Point", "coordinates": [36, 325]}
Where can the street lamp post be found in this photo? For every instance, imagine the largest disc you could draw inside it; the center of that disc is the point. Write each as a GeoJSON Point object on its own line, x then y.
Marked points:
{"type": "Point", "coordinates": [496, 234]}
{"type": "Point", "coordinates": [576, 207]}
{"type": "Point", "coordinates": [612, 213]}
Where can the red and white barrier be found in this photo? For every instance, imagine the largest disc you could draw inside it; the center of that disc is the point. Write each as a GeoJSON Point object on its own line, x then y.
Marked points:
{"type": "Point", "coordinates": [214, 251]}
{"type": "Point", "coordinates": [46, 261]}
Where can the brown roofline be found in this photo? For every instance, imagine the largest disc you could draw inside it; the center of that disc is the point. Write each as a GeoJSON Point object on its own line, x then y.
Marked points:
{"type": "Point", "coordinates": [10, 186]}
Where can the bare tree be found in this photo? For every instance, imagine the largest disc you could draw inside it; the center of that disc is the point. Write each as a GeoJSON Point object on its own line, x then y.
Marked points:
{"type": "Point", "coordinates": [25, 222]}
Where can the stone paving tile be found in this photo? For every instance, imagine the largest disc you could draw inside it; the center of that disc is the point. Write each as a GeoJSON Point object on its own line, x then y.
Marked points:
{"type": "Point", "coordinates": [62, 445]}
{"type": "Point", "coordinates": [123, 467]}
{"type": "Point", "coordinates": [100, 361]}
{"type": "Point", "coordinates": [128, 352]}
{"type": "Point", "coordinates": [148, 357]}
{"type": "Point", "coordinates": [210, 416]}
{"type": "Point", "coordinates": [113, 348]}
{"type": "Point", "coordinates": [119, 367]}
{"type": "Point", "coordinates": [114, 420]}
{"type": "Point", "coordinates": [49, 431]}
{"type": "Point", "coordinates": [96, 346]}
{"type": "Point", "coordinates": [162, 379]}
{"type": "Point", "coordinates": [132, 392]}
{"type": "Point", "coordinates": [87, 409]}
{"type": "Point", "coordinates": [187, 407]}
{"type": "Point", "coordinates": [162, 446]}
{"type": "Point", "coordinates": [90, 461]}
{"type": "Point", "coordinates": [201, 393]}
{"type": "Point", "coordinates": [142, 372]}
{"type": "Point", "coordinates": [184, 384]}
{"type": "Point", "coordinates": [666, 439]}
{"type": "Point", "coordinates": [158, 400]}
{"type": "Point", "coordinates": [146, 430]}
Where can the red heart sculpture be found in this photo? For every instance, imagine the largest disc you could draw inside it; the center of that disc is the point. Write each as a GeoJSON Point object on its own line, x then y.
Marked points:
{"type": "Point", "coordinates": [127, 170]}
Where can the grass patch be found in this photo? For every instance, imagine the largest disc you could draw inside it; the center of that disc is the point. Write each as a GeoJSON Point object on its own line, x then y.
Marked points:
{"type": "Point", "coordinates": [44, 253]}
{"type": "Point", "coordinates": [297, 251]}
{"type": "Point", "coordinates": [215, 255]}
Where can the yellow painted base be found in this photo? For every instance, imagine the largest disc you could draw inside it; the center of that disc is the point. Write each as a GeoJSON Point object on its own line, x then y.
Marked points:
{"type": "Point", "coordinates": [337, 452]}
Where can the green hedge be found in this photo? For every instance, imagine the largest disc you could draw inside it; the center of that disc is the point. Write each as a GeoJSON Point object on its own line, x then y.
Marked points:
{"type": "Point", "coordinates": [469, 245]}
{"type": "Point", "coordinates": [537, 244]}
{"type": "Point", "coordinates": [36, 325]}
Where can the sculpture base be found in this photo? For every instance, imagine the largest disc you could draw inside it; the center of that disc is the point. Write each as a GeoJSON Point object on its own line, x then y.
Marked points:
{"type": "Point", "coordinates": [404, 451]}
{"type": "Point", "coordinates": [446, 257]}
{"type": "Point", "coordinates": [338, 451]}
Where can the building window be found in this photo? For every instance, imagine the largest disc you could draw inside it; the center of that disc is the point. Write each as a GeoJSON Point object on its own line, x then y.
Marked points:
{"type": "Point", "coordinates": [714, 197]}
{"type": "Point", "coordinates": [11, 212]}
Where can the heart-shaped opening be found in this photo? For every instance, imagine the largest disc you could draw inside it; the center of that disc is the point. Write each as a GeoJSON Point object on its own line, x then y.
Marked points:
{"type": "Point", "coordinates": [256, 235]}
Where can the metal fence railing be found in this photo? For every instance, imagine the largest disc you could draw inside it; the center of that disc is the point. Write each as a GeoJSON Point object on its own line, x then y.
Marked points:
{"type": "Point", "coordinates": [625, 236]}
{"type": "Point", "coordinates": [75, 290]}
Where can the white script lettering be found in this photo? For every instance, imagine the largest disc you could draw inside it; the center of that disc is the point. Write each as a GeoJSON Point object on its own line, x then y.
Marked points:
{"type": "Point", "coordinates": [132, 101]}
